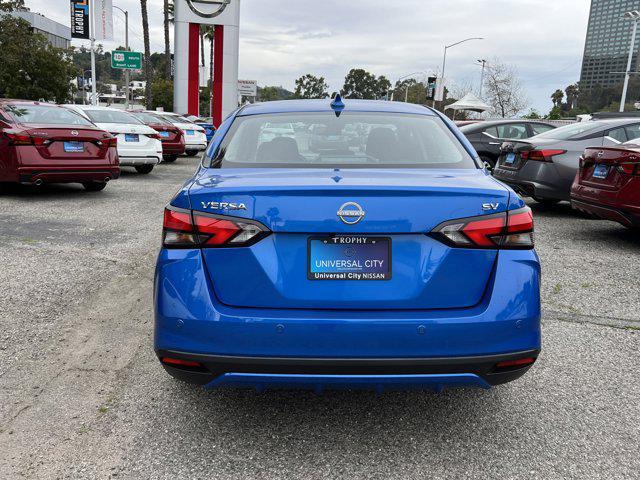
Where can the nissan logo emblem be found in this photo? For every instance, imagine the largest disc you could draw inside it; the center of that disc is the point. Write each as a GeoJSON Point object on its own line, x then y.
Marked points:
{"type": "Point", "coordinates": [351, 213]}
{"type": "Point", "coordinates": [74, 133]}
{"type": "Point", "coordinates": [222, 4]}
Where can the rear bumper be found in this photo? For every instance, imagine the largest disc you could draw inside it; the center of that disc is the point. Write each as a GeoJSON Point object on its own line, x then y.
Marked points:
{"type": "Point", "coordinates": [606, 212]}
{"type": "Point", "coordinates": [173, 148]}
{"type": "Point", "coordinates": [134, 161]}
{"type": "Point", "coordinates": [31, 175]}
{"type": "Point", "coordinates": [190, 322]}
{"type": "Point", "coordinates": [367, 373]}
{"type": "Point", "coordinates": [536, 179]}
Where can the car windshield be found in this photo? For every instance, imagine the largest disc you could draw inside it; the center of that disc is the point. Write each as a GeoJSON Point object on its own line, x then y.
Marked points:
{"type": "Point", "coordinates": [568, 131]}
{"type": "Point", "coordinates": [150, 118]}
{"type": "Point", "coordinates": [352, 140]}
{"type": "Point", "coordinates": [112, 116]}
{"type": "Point", "coordinates": [45, 115]}
{"type": "Point", "coordinates": [176, 119]}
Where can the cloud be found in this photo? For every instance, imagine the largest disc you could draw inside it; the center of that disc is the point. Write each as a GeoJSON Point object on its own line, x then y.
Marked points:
{"type": "Point", "coordinates": [283, 39]}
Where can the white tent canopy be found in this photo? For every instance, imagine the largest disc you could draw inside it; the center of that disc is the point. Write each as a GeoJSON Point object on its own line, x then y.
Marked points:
{"type": "Point", "coordinates": [469, 102]}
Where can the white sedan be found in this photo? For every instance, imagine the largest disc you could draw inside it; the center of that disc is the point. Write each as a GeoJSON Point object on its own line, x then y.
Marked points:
{"type": "Point", "coordinates": [139, 146]}
{"type": "Point", "coordinates": [195, 137]}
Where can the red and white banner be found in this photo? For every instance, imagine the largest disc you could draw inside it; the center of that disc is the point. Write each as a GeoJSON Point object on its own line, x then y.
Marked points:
{"type": "Point", "coordinates": [103, 19]}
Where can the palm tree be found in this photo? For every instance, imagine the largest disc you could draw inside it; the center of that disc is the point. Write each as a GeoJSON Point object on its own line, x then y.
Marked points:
{"type": "Point", "coordinates": [210, 34]}
{"type": "Point", "coordinates": [557, 97]}
{"type": "Point", "coordinates": [147, 53]}
{"type": "Point", "coordinates": [168, 11]}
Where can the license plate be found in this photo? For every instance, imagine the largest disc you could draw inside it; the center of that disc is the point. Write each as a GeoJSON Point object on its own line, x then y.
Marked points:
{"type": "Point", "coordinates": [131, 137]}
{"type": "Point", "coordinates": [349, 258]}
{"type": "Point", "coordinates": [164, 134]}
{"type": "Point", "coordinates": [191, 132]}
{"type": "Point", "coordinates": [74, 147]}
{"type": "Point", "coordinates": [510, 158]}
{"type": "Point", "coordinates": [600, 171]}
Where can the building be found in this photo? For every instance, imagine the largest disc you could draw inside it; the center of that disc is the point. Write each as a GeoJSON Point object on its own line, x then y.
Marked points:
{"type": "Point", "coordinates": [58, 35]}
{"type": "Point", "coordinates": [607, 44]}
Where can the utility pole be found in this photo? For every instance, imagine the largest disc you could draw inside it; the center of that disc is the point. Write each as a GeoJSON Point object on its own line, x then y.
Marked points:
{"type": "Point", "coordinates": [483, 62]}
{"type": "Point", "coordinates": [444, 63]}
{"type": "Point", "coordinates": [633, 15]}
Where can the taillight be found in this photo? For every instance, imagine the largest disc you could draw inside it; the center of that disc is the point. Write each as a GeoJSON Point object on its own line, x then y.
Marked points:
{"type": "Point", "coordinates": [187, 229]}
{"type": "Point", "coordinates": [629, 168]}
{"type": "Point", "coordinates": [507, 230]}
{"type": "Point", "coordinates": [153, 135]}
{"type": "Point", "coordinates": [26, 139]}
{"type": "Point", "coordinates": [541, 155]}
{"type": "Point", "coordinates": [108, 142]}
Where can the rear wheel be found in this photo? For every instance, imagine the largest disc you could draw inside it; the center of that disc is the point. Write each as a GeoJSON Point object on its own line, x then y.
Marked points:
{"type": "Point", "coordinates": [144, 169]}
{"type": "Point", "coordinates": [547, 202]}
{"type": "Point", "coordinates": [170, 158]}
{"type": "Point", "coordinates": [94, 186]}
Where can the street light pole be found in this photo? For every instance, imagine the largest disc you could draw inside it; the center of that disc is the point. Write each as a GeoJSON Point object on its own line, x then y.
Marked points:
{"type": "Point", "coordinates": [127, 72]}
{"type": "Point", "coordinates": [444, 59]}
{"type": "Point", "coordinates": [635, 16]}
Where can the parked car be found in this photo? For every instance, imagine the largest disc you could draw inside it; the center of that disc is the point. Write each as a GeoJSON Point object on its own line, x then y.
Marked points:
{"type": "Point", "coordinates": [42, 143]}
{"type": "Point", "coordinates": [172, 137]}
{"type": "Point", "coordinates": [194, 135]}
{"type": "Point", "coordinates": [398, 264]}
{"type": "Point", "coordinates": [608, 184]}
{"type": "Point", "coordinates": [486, 137]}
{"type": "Point", "coordinates": [207, 124]}
{"type": "Point", "coordinates": [139, 146]}
{"type": "Point", "coordinates": [545, 166]}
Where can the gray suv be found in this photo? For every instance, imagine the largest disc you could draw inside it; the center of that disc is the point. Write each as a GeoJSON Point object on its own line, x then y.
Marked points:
{"type": "Point", "coordinates": [544, 166]}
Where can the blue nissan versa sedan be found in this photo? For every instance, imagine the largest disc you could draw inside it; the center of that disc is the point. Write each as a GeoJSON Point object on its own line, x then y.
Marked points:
{"type": "Point", "coordinates": [387, 258]}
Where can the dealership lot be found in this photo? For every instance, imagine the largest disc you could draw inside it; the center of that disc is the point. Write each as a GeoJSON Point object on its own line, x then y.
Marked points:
{"type": "Point", "coordinates": [84, 397]}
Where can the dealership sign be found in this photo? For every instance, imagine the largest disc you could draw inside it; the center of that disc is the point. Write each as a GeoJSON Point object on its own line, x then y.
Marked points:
{"type": "Point", "coordinates": [80, 19]}
{"type": "Point", "coordinates": [104, 19]}
{"type": "Point", "coordinates": [248, 88]}
{"type": "Point", "coordinates": [126, 60]}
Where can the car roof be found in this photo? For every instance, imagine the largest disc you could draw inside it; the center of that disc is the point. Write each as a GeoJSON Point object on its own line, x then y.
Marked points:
{"type": "Point", "coordinates": [94, 107]}
{"type": "Point", "coordinates": [9, 101]}
{"type": "Point", "coordinates": [474, 127]}
{"type": "Point", "coordinates": [308, 106]}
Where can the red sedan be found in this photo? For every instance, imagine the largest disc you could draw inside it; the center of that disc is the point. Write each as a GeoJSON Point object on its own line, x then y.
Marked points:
{"type": "Point", "coordinates": [608, 184]}
{"type": "Point", "coordinates": [43, 143]}
{"type": "Point", "coordinates": [172, 138]}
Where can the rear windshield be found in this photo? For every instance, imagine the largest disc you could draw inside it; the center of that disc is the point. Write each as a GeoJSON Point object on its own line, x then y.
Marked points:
{"type": "Point", "coordinates": [111, 116]}
{"type": "Point", "coordinates": [45, 115]}
{"type": "Point", "coordinates": [150, 118]}
{"type": "Point", "coordinates": [569, 131]}
{"type": "Point", "coordinates": [176, 119]}
{"type": "Point", "coordinates": [353, 140]}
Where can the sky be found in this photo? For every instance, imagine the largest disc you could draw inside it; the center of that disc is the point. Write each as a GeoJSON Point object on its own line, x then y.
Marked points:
{"type": "Point", "coordinates": [281, 40]}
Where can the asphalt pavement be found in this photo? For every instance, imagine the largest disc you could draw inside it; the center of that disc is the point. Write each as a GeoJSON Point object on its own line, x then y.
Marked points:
{"type": "Point", "coordinates": [82, 395]}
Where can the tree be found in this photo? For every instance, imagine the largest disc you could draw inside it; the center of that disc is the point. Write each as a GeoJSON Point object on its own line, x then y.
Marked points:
{"type": "Point", "coordinates": [147, 54]}
{"type": "Point", "coordinates": [310, 86]}
{"type": "Point", "coordinates": [572, 92]}
{"type": "Point", "coordinates": [361, 84]}
{"type": "Point", "coordinates": [12, 5]}
{"type": "Point", "coordinates": [31, 68]}
{"type": "Point", "coordinates": [167, 44]}
{"type": "Point", "coordinates": [532, 115]}
{"type": "Point", "coordinates": [503, 90]}
{"type": "Point", "coordinates": [269, 94]}
{"type": "Point", "coordinates": [556, 98]}
{"type": "Point", "coordinates": [162, 94]}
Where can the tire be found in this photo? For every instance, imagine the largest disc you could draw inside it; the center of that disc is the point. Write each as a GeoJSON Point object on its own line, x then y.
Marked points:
{"type": "Point", "coordinates": [191, 153]}
{"type": "Point", "coordinates": [94, 186]}
{"type": "Point", "coordinates": [170, 158]}
{"type": "Point", "coordinates": [489, 162]}
{"type": "Point", "coordinates": [144, 169]}
{"type": "Point", "coordinates": [547, 202]}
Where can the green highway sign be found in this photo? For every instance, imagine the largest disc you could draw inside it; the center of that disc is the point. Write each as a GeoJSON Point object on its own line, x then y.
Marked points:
{"type": "Point", "coordinates": [126, 60]}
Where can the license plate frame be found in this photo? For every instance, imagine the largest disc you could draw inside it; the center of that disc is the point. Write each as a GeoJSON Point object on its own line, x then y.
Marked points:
{"type": "Point", "coordinates": [132, 137]}
{"type": "Point", "coordinates": [164, 134]}
{"type": "Point", "coordinates": [510, 158]}
{"type": "Point", "coordinates": [600, 171]}
{"type": "Point", "coordinates": [190, 132]}
{"type": "Point", "coordinates": [73, 146]}
{"type": "Point", "coordinates": [361, 252]}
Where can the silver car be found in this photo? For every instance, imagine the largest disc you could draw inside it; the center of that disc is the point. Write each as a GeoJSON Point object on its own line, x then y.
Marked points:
{"type": "Point", "coordinates": [544, 166]}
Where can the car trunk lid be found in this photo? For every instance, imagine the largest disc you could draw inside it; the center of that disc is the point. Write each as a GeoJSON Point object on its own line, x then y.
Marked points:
{"type": "Point", "coordinates": [398, 208]}
{"type": "Point", "coordinates": [604, 167]}
{"type": "Point", "coordinates": [69, 143]}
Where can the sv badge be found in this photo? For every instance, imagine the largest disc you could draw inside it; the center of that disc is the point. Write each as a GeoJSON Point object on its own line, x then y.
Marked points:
{"type": "Point", "coordinates": [490, 206]}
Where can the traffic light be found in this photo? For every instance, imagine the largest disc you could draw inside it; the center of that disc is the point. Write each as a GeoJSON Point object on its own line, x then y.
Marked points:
{"type": "Point", "coordinates": [431, 88]}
